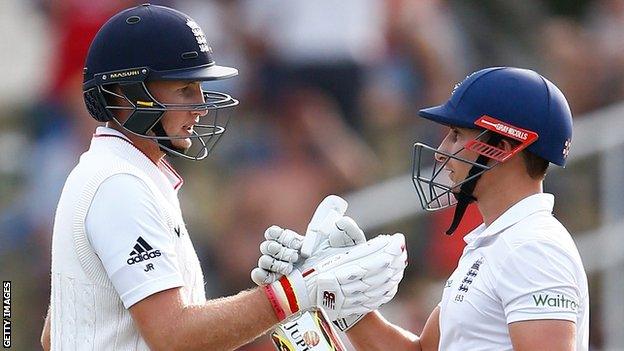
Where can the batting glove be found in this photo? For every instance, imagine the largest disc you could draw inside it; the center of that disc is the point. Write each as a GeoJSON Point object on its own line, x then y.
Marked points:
{"type": "Point", "coordinates": [347, 284]}
{"type": "Point", "coordinates": [328, 233]}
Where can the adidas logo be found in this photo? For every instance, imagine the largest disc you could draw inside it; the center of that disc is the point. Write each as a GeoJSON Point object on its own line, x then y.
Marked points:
{"type": "Point", "coordinates": [142, 252]}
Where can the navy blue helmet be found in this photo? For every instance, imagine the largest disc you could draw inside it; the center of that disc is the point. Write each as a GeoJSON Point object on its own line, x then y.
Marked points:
{"type": "Point", "coordinates": [519, 97]}
{"type": "Point", "coordinates": [154, 43]}
{"type": "Point", "coordinates": [502, 102]}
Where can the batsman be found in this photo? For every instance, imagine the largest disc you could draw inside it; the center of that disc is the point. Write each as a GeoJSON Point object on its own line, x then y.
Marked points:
{"type": "Point", "coordinates": [125, 274]}
{"type": "Point", "coordinates": [520, 282]}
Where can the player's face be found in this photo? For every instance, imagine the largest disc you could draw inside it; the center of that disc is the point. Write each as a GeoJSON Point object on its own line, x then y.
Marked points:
{"type": "Point", "coordinates": [179, 123]}
{"type": "Point", "coordinates": [454, 141]}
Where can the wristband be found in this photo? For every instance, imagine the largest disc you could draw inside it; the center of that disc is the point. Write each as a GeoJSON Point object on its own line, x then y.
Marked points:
{"type": "Point", "coordinates": [285, 293]}
{"type": "Point", "coordinates": [277, 308]}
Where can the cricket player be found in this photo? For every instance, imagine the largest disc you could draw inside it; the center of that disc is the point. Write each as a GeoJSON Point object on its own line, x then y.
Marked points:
{"type": "Point", "coordinates": [125, 275]}
{"type": "Point", "coordinates": [520, 283]}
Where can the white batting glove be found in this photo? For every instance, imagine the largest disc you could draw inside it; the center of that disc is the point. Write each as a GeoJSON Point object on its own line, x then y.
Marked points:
{"type": "Point", "coordinates": [327, 231]}
{"type": "Point", "coordinates": [351, 283]}
{"type": "Point", "coordinates": [324, 230]}
{"type": "Point", "coordinates": [279, 252]}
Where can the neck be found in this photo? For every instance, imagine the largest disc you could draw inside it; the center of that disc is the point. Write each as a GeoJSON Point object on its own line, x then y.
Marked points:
{"type": "Point", "coordinates": [148, 146]}
{"type": "Point", "coordinates": [499, 199]}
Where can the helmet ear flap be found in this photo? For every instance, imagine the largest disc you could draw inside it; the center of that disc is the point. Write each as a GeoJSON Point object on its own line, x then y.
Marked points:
{"type": "Point", "coordinates": [147, 111]}
{"type": "Point", "coordinates": [96, 105]}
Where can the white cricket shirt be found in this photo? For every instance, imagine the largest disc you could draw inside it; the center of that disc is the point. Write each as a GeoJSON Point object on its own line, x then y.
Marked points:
{"type": "Point", "coordinates": [524, 266]}
{"type": "Point", "coordinates": [118, 238]}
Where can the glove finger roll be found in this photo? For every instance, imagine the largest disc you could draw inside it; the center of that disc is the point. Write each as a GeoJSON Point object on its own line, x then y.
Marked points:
{"type": "Point", "coordinates": [359, 253]}
{"type": "Point", "coordinates": [273, 232]}
{"type": "Point", "coordinates": [378, 280]}
{"type": "Point", "coordinates": [276, 250]}
{"type": "Point", "coordinates": [263, 277]}
{"type": "Point", "coordinates": [355, 288]}
{"type": "Point", "coordinates": [350, 273]}
{"type": "Point", "coordinates": [270, 264]}
{"type": "Point", "coordinates": [290, 239]}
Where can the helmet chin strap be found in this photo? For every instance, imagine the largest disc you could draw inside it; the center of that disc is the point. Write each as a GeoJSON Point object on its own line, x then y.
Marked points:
{"type": "Point", "coordinates": [464, 196]}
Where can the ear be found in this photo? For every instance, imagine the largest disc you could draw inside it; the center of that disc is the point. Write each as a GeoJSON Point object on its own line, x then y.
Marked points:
{"type": "Point", "coordinates": [112, 100]}
{"type": "Point", "coordinates": [505, 144]}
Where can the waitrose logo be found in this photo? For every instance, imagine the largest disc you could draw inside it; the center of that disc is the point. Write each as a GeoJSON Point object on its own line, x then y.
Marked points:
{"type": "Point", "coordinates": [558, 300]}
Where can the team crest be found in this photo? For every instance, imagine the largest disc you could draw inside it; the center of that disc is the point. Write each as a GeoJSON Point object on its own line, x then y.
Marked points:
{"type": "Point", "coordinates": [199, 36]}
{"type": "Point", "coordinates": [566, 148]}
{"type": "Point", "coordinates": [457, 85]}
{"type": "Point", "coordinates": [464, 286]}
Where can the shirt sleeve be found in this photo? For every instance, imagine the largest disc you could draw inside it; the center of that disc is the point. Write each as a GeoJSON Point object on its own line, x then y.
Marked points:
{"type": "Point", "coordinates": [537, 281]}
{"type": "Point", "coordinates": [132, 239]}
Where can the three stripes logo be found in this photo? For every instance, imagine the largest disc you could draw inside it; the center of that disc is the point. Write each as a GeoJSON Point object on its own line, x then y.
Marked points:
{"type": "Point", "coordinates": [142, 252]}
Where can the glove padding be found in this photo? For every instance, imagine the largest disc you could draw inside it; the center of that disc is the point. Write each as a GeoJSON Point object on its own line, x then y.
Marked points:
{"type": "Point", "coordinates": [279, 252]}
{"type": "Point", "coordinates": [328, 229]}
{"type": "Point", "coordinates": [322, 227]}
{"type": "Point", "coordinates": [362, 279]}
{"type": "Point", "coordinates": [347, 284]}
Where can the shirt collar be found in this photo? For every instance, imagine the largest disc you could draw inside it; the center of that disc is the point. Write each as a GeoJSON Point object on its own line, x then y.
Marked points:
{"type": "Point", "coordinates": [163, 168]}
{"type": "Point", "coordinates": [103, 131]}
{"type": "Point", "coordinates": [522, 209]}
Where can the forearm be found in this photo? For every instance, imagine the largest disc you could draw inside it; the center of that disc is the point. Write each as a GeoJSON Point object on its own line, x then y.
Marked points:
{"type": "Point", "coordinates": [227, 323]}
{"type": "Point", "coordinates": [373, 332]}
{"type": "Point", "coordinates": [219, 324]}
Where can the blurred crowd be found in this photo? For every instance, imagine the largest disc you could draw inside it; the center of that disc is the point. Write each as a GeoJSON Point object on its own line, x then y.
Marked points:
{"type": "Point", "coordinates": [329, 91]}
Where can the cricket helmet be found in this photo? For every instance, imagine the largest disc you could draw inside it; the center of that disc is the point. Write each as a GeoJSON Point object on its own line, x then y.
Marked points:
{"type": "Point", "coordinates": [155, 43]}
{"type": "Point", "coordinates": [501, 102]}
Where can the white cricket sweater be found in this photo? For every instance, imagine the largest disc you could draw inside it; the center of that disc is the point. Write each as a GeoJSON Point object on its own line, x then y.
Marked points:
{"type": "Point", "coordinates": [118, 238]}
